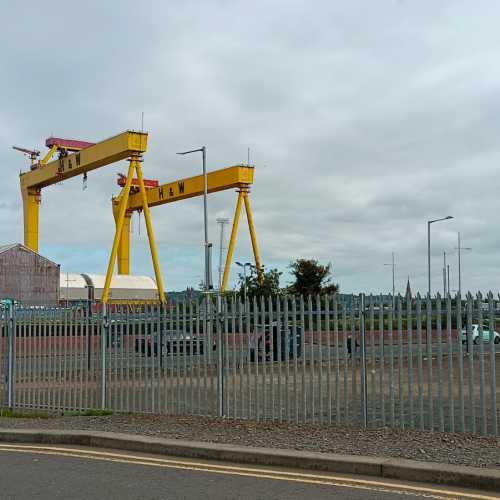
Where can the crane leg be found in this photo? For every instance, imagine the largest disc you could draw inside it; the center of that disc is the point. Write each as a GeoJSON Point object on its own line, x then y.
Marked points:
{"type": "Point", "coordinates": [151, 237]}
{"type": "Point", "coordinates": [118, 232]}
{"type": "Point", "coordinates": [253, 237]}
{"type": "Point", "coordinates": [31, 210]}
{"type": "Point", "coordinates": [232, 240]}
{"type": "Point", "coordinates": [124, 247]}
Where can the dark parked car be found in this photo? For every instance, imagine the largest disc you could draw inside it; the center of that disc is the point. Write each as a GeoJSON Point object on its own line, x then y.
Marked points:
{"type": "Point", "coordinates": [169, 344]}
{"type": "Point", "coordinates": [274, 345]}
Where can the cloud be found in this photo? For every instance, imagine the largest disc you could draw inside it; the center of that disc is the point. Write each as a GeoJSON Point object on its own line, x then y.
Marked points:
{"type": "Point", "coordinates": [364, 120]}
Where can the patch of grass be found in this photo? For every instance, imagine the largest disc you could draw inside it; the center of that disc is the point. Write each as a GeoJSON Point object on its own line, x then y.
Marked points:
{"type": "Point", "coordinates": [89, 413]}
{"type": "Point", "coordinates": [7, 413]}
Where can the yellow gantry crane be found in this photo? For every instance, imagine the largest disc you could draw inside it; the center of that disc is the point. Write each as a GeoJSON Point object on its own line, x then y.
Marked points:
{"type": "Point", "coordinates": [79, 158]}
{"type": "Point", "coordinates": [239, 177]}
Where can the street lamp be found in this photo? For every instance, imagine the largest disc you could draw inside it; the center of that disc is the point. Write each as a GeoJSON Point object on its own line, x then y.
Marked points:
{"type": "Point", "coordinates": [459, 248]}
{"type": "Point", "coordinates": [222, 222]}
{"type": "Point", "coordinates": [67, 289]}
{"type": "Point", "coordinates": [448, 274]}
{"type": "Point", "coordinates": [444, 275]}
{"type": "Point", "coordinates": [208, 274]}
{"type": "Point", "coordinates": [393, 285]}
{"type": "Point", "coordinates": [429, 247]}
{"type": "Point", "coordinates": [244, 266]}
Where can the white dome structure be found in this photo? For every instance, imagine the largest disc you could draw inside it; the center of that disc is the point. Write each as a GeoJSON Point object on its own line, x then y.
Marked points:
{"type": "Point", "coordinates": [124, 288]}
{"type": "Point", "coordinates": [72, 287]}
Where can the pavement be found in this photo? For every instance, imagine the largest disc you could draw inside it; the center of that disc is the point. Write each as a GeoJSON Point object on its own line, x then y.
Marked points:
{"type": "Point", "coordinates": [83, 464]}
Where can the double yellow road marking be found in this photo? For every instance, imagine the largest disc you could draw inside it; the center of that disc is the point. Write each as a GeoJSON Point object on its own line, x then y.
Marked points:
{"type": "Point", "coordinates": [263, 473]}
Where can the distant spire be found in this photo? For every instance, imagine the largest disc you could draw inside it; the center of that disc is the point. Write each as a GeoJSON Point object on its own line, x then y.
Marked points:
{"type": "Point", "coordinates": [408, 288]}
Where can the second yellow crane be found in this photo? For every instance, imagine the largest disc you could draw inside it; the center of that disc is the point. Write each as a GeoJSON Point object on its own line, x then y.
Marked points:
{"type": "Point", "coordinates": [239, 177]}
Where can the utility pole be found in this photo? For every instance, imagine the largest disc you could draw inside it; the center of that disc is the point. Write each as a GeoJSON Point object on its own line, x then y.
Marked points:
{"type": "Point", "coordinates": [244, 266]}
{"type": "Point", "coordinates": [429, 248]}
{"type": "Point", "coordinates": [393, 279]}
{"type": "Point", "coordinates": [459, 248]}
{"type": "Point", "coordinates": [222, 222]}
{"type": "Point", "coordinates": [67, 289]}
{"type": "Point", "coordinates": [444, 275]}
{"type": "Point", "coordinates": [208, 251]}
{"type": "Point", "coordinates": [208, 327]}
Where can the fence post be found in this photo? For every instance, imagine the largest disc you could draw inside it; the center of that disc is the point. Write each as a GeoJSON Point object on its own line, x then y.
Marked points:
{"type": "Point", "coordinates": [364, 389]}
{"type": "Point", "coordinates": [89, 330]}
{"type": "Point", "coordinates": [220, 358]}
{"type": "Point", "coordinates": [11, 336]}
{"type": "Point", "coordinates": [104, 338]}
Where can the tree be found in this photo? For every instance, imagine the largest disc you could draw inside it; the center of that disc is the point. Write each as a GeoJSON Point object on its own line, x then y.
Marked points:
{"type": "Point", "coordinates": [311, 277]}
{"type": "Point", "coordinates": [266, 285]}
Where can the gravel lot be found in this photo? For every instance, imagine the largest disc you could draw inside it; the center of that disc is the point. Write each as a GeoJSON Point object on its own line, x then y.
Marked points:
{"type": "Point", "coordinates": [459, 449]}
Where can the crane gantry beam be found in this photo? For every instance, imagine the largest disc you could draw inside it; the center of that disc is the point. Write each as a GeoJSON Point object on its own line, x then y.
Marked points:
{"type": "Point", "coordinates": [239, 177]}
{"type": "Point", "coordinates": [103, 153]}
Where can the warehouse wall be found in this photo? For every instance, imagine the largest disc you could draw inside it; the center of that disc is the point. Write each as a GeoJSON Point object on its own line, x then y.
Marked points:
{"type": "Point", "coordinates": [28, 277]}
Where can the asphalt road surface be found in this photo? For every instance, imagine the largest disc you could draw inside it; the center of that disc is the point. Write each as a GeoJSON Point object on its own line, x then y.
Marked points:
{"type": "Point", "coordinates": [46, 472]}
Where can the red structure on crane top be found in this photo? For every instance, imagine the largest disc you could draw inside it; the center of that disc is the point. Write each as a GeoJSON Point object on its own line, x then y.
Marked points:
{"type": "Point", "coordinates": [148, 183]}
{"type": "Point", "coordinates": [69, 144]}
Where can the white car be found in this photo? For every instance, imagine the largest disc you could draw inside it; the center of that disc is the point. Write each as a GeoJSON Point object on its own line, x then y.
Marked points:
{"type": "Point", "coordinates": [475, 335]}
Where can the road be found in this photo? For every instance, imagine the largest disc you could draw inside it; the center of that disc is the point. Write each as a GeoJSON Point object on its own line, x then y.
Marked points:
{"type": "Point", "coordinates": [47, 472]}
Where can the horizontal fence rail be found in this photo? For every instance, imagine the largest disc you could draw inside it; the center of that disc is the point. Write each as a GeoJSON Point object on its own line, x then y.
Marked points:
{"type": "Point", "coordinates": [417, 362]}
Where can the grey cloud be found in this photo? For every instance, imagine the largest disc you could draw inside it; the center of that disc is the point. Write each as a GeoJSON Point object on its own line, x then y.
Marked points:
{"type": "Point", "coordinates": [364, 120]}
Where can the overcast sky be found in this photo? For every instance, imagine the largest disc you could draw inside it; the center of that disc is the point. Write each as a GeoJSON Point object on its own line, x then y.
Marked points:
{"type": "Point", "coordinates": [364, 119]}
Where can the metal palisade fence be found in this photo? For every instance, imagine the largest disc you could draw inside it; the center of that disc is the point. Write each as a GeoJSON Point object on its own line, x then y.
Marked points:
{"type": "Point", "coordinates": [419, 362]}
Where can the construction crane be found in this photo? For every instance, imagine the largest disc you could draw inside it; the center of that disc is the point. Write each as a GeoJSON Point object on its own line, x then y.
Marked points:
{"type": "Point", "coordinates": [239, 177]}
{"type": "Point", "coordinates": [78, 158]}
{"type": "Point", "coordinates": [30, 153]}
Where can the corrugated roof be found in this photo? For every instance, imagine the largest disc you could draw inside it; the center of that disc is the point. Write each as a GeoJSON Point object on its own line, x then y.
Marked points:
{"type": "Point", "coordinates": [6, 248]}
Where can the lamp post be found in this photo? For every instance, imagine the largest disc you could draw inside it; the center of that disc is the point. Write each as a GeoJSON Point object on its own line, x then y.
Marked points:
{"type": "Point", "coordinates": [444, 275]}
{"type": "Point", "coordinates": [459, 248]}
{"type": "Point", "coordinates": [244, 266]}
{"type": "Point", "coordinates": [222, 222]}
{"type": "Point", "coordinates": [393, 282]}
{"type": "Point", "coordinates": [429, 248]}
{"type": "Point", "coordinates": [208, 274]}
{"type": "Point", "coordinates": [67, 289]}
